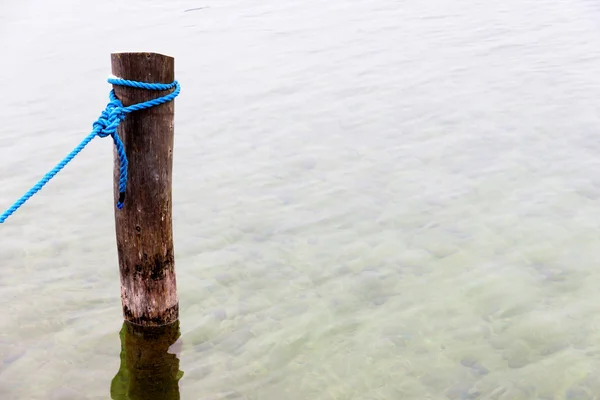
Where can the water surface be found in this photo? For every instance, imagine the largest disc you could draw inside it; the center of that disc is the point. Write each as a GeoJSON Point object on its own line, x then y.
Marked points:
{"type": "Point", "coordinates": [372, 199]}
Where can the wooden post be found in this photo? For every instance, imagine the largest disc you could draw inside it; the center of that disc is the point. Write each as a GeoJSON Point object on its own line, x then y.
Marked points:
{"type": "Point", "coordinates": [144, 225]}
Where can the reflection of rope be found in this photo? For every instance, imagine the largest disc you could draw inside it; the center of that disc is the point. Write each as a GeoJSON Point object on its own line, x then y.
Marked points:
{"type": "Point", "coordinates": [106, 125]}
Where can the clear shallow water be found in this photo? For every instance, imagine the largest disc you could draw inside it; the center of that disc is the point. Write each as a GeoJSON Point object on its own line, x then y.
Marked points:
{"type": "Point", "coordinates": [372, 200]}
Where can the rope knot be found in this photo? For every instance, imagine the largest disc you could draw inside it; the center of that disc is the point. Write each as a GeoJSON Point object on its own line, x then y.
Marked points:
{"type": "Point", "coordinates": [110, 118]}
{"type": "Point", "coordinates": [106, 125]}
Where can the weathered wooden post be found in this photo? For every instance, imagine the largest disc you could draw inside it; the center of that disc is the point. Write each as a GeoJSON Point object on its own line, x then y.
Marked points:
{"type": "Point", "coordinates": [144, 225]}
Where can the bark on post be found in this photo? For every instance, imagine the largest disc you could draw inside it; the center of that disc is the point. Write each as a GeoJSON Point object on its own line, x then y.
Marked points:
{"type": "Point", "coordinates": [144, 225]}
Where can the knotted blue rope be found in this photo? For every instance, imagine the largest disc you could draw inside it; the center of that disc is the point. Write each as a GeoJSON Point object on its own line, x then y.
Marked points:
{"type": "Point", "coordinates": [106, 125]}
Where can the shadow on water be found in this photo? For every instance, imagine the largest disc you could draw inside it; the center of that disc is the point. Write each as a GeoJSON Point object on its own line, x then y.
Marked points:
{"type": "Point", "coordinates": [149, 369]}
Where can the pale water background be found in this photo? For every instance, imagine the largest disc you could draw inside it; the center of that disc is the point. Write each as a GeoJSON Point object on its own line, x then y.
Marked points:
{"type": "Point", "coordinates": [374, 199]}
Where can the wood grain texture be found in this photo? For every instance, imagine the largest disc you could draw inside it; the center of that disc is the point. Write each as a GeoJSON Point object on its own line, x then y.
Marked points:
{"type": "Point", "coordinates": [144, 225]}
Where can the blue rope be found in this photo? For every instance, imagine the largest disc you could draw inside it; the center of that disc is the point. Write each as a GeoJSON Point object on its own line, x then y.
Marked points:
{"type": "Point", "coordinates": [106, 125]}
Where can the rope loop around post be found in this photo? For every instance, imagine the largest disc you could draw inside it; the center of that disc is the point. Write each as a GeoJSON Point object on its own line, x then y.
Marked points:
{"type": "Point", "coordinates": [106, 125]}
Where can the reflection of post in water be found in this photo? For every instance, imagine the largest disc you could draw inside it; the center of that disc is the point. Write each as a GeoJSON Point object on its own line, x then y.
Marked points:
{"type": "Point", "coordinates": [148, 370]}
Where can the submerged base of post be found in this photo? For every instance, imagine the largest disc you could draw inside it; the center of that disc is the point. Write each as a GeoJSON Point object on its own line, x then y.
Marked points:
{"type": "Point", "coordinates": [144, 224]}
{"type": "Point", "coordinates": [149, 369]}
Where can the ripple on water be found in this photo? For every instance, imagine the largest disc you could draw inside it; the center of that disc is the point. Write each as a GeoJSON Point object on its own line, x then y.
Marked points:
{"type": "Point", "coordinates": [474, 365]}
{"type": "Point", "coordinates": [518, 354]}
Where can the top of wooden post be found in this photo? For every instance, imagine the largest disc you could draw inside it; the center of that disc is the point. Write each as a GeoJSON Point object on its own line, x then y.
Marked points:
{"type": "Point", "coordinates": [144, 67]}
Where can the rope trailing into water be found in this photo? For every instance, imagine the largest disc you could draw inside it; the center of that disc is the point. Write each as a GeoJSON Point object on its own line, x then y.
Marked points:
{"type": "Point", "coordinates": [106, 125]}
